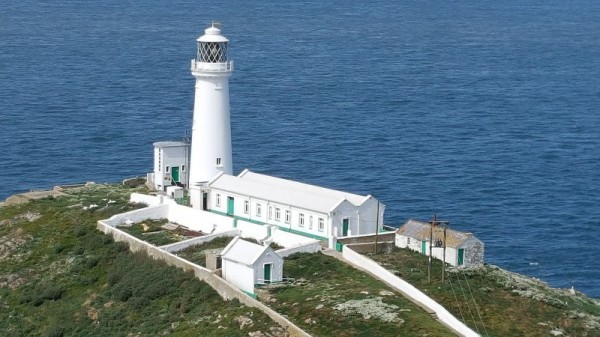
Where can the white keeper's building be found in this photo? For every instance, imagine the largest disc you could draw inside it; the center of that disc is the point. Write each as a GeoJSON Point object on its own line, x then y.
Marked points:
{"type": "Point", "coordinates": [310, 210]}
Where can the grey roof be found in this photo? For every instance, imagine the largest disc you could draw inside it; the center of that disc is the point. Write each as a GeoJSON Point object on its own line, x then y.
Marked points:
{"type": "Point", "coordinates": [243, 251]}
{"type": "Point", "coordinates": [169, 144]}
{"type": "Point", "coordinates": [285, 192]}
{"type": "Point", "coordinates": [421, 231]}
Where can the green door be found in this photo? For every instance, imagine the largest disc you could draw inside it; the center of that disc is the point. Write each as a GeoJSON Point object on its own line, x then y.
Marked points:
{"type": "Point", "coordinates": [345, 227]}
{"type": "Point", "coordinates": [229, 205]}
{"type": "Point", "coordinates": [175, 173]}
{"type": "Point", "coordinates": [424, 247]}
{"type": "Point", "coordinates": [268, 273]}
{"type": "Point", "coordinates": [461, 256]}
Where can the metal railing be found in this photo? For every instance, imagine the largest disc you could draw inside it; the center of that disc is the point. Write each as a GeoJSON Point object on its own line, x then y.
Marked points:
{"type": "Point", "coordinates": [211, 67]}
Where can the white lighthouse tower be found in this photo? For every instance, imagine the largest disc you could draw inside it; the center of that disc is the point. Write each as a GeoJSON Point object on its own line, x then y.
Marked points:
{"type": "Point", "coordinates": [211, 130]}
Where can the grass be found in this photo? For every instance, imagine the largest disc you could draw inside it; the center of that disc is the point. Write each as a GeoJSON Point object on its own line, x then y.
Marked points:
{"type": "Point", "coordinates": [509, 304]}
{"type": "Point", "coordinates": [59, 276]}
{"type": "Point", "coordinates": [323, 283]}
{"type": "Point", "coordinates": [150, 231]}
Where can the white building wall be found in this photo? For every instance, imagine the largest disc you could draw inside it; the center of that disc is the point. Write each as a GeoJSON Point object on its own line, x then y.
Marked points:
{"type": "Point", "coordinates": [239, 275]}
{"type": "Point", "coordinates": [276, 270]}
{"type": "Point", "coordinates": [172, 156]}
{"type": "Point", "coordinates": [402, 241]}
{"type": "Point", "coordinates": [294, 223]}
{"type": "Point", "coordinates": [199, 220]}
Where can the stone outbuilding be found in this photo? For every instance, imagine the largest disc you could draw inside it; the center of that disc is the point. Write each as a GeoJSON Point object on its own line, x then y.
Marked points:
{"type": "Point", "coordinates": [462, 249]}
{"type": "Point", "coordinates": [246, 264]}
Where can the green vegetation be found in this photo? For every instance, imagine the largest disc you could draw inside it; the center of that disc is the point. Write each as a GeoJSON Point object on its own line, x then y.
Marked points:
{"type": "Point", "coordinates": [197, 254]}
{"type": "Point", "coordinates": [151, 232]}
{"type": "Point", "coordinates": [509, 304]}
{"type": "Point", "coordinates": [59, 276]}
{"type": "Point", "coordinates": [330, 298]}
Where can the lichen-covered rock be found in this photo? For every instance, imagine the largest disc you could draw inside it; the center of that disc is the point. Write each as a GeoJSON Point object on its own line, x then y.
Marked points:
{"type": "Point", "coordinates": [371, 308]}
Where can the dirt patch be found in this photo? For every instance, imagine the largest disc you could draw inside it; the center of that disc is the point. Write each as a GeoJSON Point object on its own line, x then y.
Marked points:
{"type": "Point", "coordinates": [11, 242]}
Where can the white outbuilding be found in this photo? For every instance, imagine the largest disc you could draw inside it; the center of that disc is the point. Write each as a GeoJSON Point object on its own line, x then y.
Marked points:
{"type": "Point", "coordinates": [300, 208]}
{"type": "Point", "coordinates": [462, 249]}
{"type": "Point", "coordinates": [246, 264]}
{"type": "Point", "coordinates": [170, 165]}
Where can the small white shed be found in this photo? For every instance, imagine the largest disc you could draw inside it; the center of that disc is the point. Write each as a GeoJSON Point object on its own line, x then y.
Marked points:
{"type": "Point", "coordinates": [170, 165]}
{"type": "Point", "coordinates": [462, 249]}
{"type": "Point", "coordinates": [245, 264]}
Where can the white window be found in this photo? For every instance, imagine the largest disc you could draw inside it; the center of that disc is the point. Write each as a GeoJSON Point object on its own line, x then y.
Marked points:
{"type": "Point", "coordinates": [246, 206]}
{"type": "Point", "coordinates": [167, 169]}
{"type": "Point", "coordinates": [258, 210]}
{"type": "Point", "coordinates": [301, 220]}
{"type": "Point", "coordinates": [277, 214]}
{"type": "Point", "coordinates": [218, 200]}
{"type": "Point", "coordinates": [270, 212]}
{"type": "Point", "coordinates": [219, 162]}
{"type": "Point", "coordinates": [182, 168]}
{"type": "Point", "coordinates": [408, 241]}
{"type": "Point", "coordinates": [321, 224]}
{"type": "Point", "coordinates": [310, 222]}
{"type": "Point", "coordinates": [287, 216]}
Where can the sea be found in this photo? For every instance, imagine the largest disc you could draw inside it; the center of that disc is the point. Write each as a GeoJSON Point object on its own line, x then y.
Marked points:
{"type": "Point", "coordinates": [484, 113]}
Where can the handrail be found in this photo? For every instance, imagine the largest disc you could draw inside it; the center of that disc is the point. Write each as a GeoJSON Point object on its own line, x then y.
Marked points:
{"type": "Point", "coordinates": [211, 67]}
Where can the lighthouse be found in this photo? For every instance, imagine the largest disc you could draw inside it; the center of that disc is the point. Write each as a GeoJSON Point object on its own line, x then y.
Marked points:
{"type": "Point", "coordinates": [210, 151]}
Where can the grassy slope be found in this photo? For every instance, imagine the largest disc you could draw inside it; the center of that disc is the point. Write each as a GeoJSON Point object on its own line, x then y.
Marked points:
{"type": "Point", "coordinates": [537, 311]}
{"type": "Point", "coordinates": [61, 277]}
{"type": "Point", "coordinates": [323, 282]}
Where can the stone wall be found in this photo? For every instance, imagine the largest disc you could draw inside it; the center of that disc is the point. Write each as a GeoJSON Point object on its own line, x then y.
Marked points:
{"type": "Point", "coordinates": [222, 287]}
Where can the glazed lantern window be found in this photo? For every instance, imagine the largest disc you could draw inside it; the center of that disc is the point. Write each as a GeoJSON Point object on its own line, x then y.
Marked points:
{"type": "Point", "coordinates": [212, 52]}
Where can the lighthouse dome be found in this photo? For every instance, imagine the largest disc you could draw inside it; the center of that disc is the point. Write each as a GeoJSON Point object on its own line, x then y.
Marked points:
{"type": "Point", "coordinates": [212, 34]}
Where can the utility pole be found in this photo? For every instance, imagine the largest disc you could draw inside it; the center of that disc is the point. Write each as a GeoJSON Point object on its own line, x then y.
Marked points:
{"type": "Point", "coordinates": [431, 224]}
{"type": "Point", "coordinates": [444, 259]}
{"type": "Point", "coordinates": [434, 223]}
{"type": "Point", "coordinates": [377, 228]}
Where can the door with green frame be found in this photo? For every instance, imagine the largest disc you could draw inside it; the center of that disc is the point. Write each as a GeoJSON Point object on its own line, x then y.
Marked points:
{"type": "Point", "coordinates": [461, 256]}
{"type": "Point", "coordinates": [267, 273]}
{"type": "Point", "coordinates": [345, 227]}
{"type": "Point", "coordinates": [175, 173]}
{"type": "Point", "coordinates": [230, 204]}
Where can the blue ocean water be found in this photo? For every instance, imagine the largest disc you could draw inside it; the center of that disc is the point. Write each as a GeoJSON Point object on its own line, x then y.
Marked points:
{"type": "Point", "coordinates": [482, 112]}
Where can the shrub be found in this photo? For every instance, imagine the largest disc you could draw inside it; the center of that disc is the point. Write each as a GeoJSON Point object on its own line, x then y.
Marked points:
{"type": "Point", "coordinates": [78, 250]}
{"type": "Point", "coordinates": [79, 231]}
{"type": "Point", "coordinates": [55, 331]}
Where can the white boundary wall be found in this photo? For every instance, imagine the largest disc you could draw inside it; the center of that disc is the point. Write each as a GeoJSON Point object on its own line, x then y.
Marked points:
{"type": "Point", "coordinates": [305, 248]}
{"type": "Point", "coordinates": [181, 245]}
{"type": "Point", "coordinates": [225, 289]}
{"type": "Point", "coordinates": [152, 212]}
{"type": "Point", "coordinates": [150, 200]}
{"type": "Point", "coordinates": [250, 230]}
{"type": "Point", "coordinates": [408, 290]}
{"type": "Point", "coordinates": [287, 239]}
{"type": "Point", "coordinates": [199, 220]}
